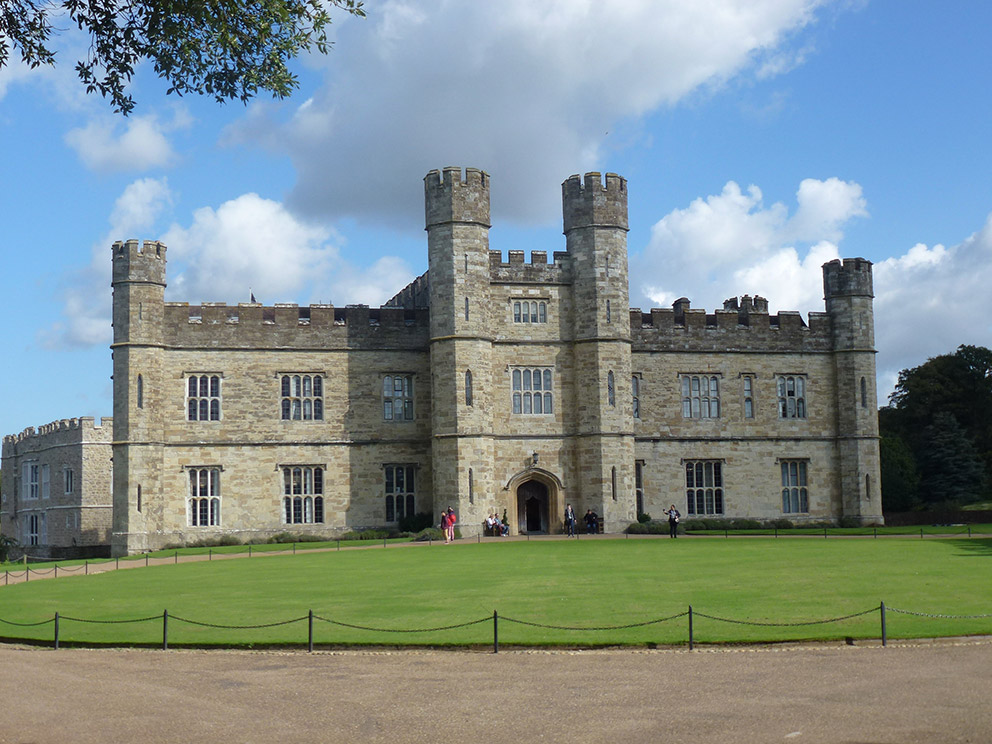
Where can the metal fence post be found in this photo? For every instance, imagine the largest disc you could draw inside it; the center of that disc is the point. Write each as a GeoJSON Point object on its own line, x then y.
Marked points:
{"type": "Point", "coordinates": [56, 570]}
{"type": "Point", "coordinates": [56, 631]}
{"type": "Point", "coordinates": [690, 629]}
{"type": "Point", "coordinates": [310, 633]}
{"type": "Point", "coordinates": [27, 572]}
{"type": "Point", "coordinates": [294, 548]}
{"type": "Point", "coordinates": [146, 560]}
{"type": "Point", "coordinates": [921, 533]}
{"type": "Point", "coordinates": [210, 554]}
{"type": "Point", "coordinates": [165, 630]}
{"type": "Point", "coordinates": [86, 568]}
{"type": "Point", "coordinates": [881, 608]}
{"type": "Point", "coordinates": [177, 556]}
{"type": "Point", "coordinates": [495, 633]}
{"type": "Point", "coordinates": [249, 550]}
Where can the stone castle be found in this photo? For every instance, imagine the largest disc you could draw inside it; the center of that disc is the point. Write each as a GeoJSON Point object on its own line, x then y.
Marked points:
{"type": "Point", "coordinates": [485, 385]}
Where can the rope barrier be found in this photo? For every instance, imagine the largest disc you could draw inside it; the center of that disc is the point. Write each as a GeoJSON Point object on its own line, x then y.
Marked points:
{"type": "Point", "coordinates": [785, 625]}
{"type": "Point", "coordinates": [942, 617]}
{"type": "Point", "coordinates": [595, 627]}
{"type": "Point", "coordinates": [111, 622]}
{"type": "Point", "coordinates": [235, 627]}
{"type": "Point", "coordinates": [403, 630]}
{"type": "Point", "coordinates": [28, 625]}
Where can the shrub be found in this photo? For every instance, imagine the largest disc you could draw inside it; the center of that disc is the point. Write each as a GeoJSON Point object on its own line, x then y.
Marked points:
{"type": "Point", "coordinates": [849, 522]}
{"type": "Point", "coordinates": [745, 524]}
{"type": "Point", "coordinates": [367, 534]}
{"type": "Point", "coordinates": [6, 543]}
{"type": "Point", "coordinates": [782, 524]}
{"type": "Point", "coordinates": [642, 517]}
{"type": "Point", "coordinates": [637, 528]}
{"type": "Point", "coordinates": [416, 522]}
{"type": "Point", "coordinates": [429, 534]}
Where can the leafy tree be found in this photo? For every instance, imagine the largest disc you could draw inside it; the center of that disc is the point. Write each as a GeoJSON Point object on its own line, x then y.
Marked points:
{"type": "Point", "coordinates": [900, 479]}
{"type": "Point", "coordinates": [230, 49]}
{"type": "Point", "coordinates": [950, 466]}
{"type": "Point", "coordinates": [958, 386]}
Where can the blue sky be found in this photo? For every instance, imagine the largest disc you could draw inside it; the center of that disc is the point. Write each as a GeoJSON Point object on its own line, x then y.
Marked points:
{"type": "Point", "coordinates": [760, 139]}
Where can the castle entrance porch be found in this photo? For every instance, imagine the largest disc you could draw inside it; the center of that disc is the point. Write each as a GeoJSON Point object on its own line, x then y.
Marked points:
{"type": "Point", "coordinates": [532, 507]}
{"type": "Point", "coordinates": [535, 502]}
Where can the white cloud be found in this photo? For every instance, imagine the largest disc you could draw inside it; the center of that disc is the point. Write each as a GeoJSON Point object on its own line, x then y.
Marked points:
{"type": "Point", "coordinates": [929, 301]}
{"type": "Point", "coordinates": [86, 299]}
{"type": "Point", "coordinates": [730, 244]}
{"type": "Point", "coordinates": [143, 143]}
{"type": "Point", "coordinates": [423, 84]}
{"type": "Point", "coordinates": [246, 242]}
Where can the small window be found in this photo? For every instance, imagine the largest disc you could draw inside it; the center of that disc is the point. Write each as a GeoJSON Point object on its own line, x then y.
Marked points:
{"type": "Point", "coordinates": [748, 383]}
{"type": "Point", "coordinates": [69, 480]}
{"type": "Point", "coordinates": [864, 393]}
{"type": "Point", "coordinates": [303, 494]}
{"type": "Point", "coordinates": [700, 396]}
{"type": "Point", "coordinates": [613, 482]}
{"type": "Point", "coordinates": [639, 486]}
{"type": "Point", "coordinates": [611, 393]}
{"type": "Point", "coordinates": [140, 392]}
{"type": "Point", "coordinates": [397, 398]}
{"type": "Point", "coordinates": [468, 387]}
{"type": "Point", "coordinates": [530, 311]}
{"type": "Point", "coordinates": [792, 397]}
{"type": "Point", "coordinates": [203, 398]}
{"type": "Point", "coordinates": [635, 389]}
{"type": "Point", "coordinates": [609, 314]}
{"type": "Point", "coordinates": [302, 397]}
{"type": "Point", "coordinates": [400, 491]}
{"type": "Point", "coordinates": [795, 495]}
{"type": "Point", "coordinates": [704, 487]}
{"type": "Point", "coordinates": [466, 308]}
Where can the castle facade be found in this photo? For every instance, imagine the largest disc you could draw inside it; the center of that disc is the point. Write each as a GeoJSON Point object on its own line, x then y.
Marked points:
{"type": "Point", "coordinates": [487, 385]}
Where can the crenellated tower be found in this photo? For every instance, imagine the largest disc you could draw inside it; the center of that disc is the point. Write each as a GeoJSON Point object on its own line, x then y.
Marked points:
{"type": "Point", "coordinates": [595, 227]}
{"type": "Point", "coordinates": [847, 290]}
{"type": "Point", "coordinates": [457, 224]}
{"type": "Point", "coordinates": [138, 314]}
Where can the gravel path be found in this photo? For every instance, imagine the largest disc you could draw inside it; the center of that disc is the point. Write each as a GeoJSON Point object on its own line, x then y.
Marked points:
{"type": "Point", "coordinates": [933, 692]}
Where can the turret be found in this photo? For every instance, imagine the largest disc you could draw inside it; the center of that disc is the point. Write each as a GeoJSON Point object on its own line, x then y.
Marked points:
{"type": "Point", "coordinates": [847, 290]}
{"type": "Point", "coordinates": [138, 313]}
{"type": "Point", "coordinates": [594, 215]}
{"type": "Point", "coordinates": [456, 207]}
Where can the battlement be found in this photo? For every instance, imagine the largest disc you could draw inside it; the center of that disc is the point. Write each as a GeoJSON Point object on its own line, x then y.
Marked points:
{"type": "Point", "coordinates": [847, 278]}
{"type": "Point", "coordinates": [454, 196]}
{"type": "Point", "coordinates": [589, 202]}
{"type": "Point", "coordinates": [739, 326]}
{"type": "Point", "coordinates": [416, 294]}
{"type": "Point", "coordinates": [77, 428]}
{"type": "Point", "coordinates": [142, 261]}
{"type": "Point", "coordinates": [287, 325]}
{"type": "Point", "coordinates": [538, 271]}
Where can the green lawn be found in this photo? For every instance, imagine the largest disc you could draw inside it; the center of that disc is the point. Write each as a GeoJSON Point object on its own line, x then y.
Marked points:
{"type": "Point", "coordinates": [583, 583]}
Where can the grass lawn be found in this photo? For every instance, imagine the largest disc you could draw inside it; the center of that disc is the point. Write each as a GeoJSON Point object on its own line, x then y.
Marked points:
{"type": "Point", "coordinates": [583, 583]}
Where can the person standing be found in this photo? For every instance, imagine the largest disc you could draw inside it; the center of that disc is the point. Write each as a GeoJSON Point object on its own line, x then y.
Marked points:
{"type": "Point", "coordinates": [449, 535]}
{"type": "Point", "coordinates": [673, 521]}
{"type": "Point", "coordinates": [569, 521]}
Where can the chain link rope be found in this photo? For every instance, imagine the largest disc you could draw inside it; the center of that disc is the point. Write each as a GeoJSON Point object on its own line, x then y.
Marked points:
{"type": "Point", "coordinates": [404, 630]}
{"type": "Point", "coordinates": [942, 617]}
{"type": "Point", "coordinates": [594, 627]}
{"type": "Point", "coordinates": [696, 613]}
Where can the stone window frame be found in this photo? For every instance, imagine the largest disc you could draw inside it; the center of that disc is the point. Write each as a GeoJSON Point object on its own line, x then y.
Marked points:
{"type": "Point", "coordinates": [525, 397]}
{"type": "Point", "coordinates": [391, 395]}
{"type": "Point", "coordinates": [536, 309]}
{"type": "Point", "coordinates": [68, 480]}
{"type": "Point", "coordinates": [301, 396]}
{"type": "Point", "coordinates": [636, 379]}
{"type": "Point", "coordinates": [792, 403]}
{"type": "Point", "coordinates": [203, 504]}
{"type": "Point", "coordinates": [695, 404]}
{"type": "Point", "coordinates": [794, 473]}
{"type": "Point", "coordinates": [748, 380]}
{"type": "Point", "coordinates": [468, 388]}
{"type": "Point", "coordinates": [400, 493]}
{"type": "Point", "coordinates": [639, 486]}
{"type": "Point", "coordinates": [35, 527]}
{"type": "Point", "coordinates": [203, 396]}
{"type": "Point", "coordinates": [705, 486]}
{"type": "Point", "coordinates": [303, 493]}
{"type": "Point", "coordinates": [611, 389]}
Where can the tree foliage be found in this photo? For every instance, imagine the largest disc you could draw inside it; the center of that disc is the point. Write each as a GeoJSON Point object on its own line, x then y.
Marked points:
{"type": "Point", "coordinates": [941, 416]}
{"type": "Point", "coordinates": [229, 49]}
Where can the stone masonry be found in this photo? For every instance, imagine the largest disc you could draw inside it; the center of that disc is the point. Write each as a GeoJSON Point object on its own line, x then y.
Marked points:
{"type": "Point", "coordinates": [490, 383]}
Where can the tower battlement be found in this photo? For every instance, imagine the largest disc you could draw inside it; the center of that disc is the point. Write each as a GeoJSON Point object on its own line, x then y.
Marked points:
{"type": "Point", "coordinates": [850, 277]}
{"type": "Point", "coordinates": [142, 261]}
{"type": "Point", "coordinates": [456, 196]}
{"type": "Point", "coordinates": [588, 202]}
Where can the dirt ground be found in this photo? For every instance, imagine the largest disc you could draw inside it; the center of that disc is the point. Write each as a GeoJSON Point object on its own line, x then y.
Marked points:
{"type": "Point", "coordinates": [931, 692]}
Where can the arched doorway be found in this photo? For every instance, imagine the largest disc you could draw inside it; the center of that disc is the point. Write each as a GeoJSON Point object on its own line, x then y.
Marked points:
{"type": "Point", "coordinates": [532, 507]}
